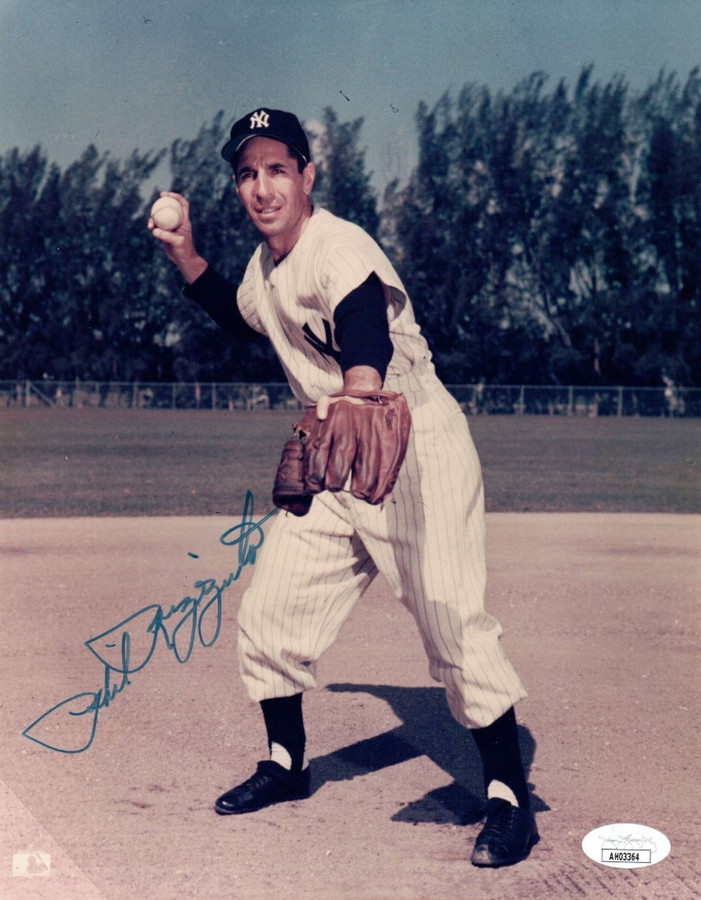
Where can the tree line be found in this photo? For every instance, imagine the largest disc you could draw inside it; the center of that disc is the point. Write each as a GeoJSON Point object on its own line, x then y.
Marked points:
{"type": "Point", "coordinates": [545, 235]}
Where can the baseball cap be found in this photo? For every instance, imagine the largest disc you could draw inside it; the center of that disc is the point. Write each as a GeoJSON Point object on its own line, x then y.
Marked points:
{"type": "Point", "coordinates": [270, 123]}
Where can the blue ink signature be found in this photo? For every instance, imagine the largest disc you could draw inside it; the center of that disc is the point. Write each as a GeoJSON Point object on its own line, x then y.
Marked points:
{"type": "Point", "coordinates": [127, 648]}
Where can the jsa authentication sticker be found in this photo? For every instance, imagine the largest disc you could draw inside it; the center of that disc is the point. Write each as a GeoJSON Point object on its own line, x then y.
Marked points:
{"type": "Point", "coordinates": [625, 846]}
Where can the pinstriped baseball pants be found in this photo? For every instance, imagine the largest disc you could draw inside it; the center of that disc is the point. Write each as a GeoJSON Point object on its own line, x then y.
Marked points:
{"type": "Point", "coordinates": [428, 541]}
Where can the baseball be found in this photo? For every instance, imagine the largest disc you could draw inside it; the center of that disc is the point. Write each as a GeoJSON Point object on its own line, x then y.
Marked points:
{"type": "Point", "coordinates": [167, 213]}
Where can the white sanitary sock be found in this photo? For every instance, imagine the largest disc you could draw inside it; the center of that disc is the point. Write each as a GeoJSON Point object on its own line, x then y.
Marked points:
{"type": "Point", "coordinates": [501, 790]}
{"type": "Point", "coordinates": [280, 755]}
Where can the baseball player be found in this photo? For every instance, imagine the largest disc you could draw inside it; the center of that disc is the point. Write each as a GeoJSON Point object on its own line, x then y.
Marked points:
{"type": "Point", "coordinates": [340, 320]}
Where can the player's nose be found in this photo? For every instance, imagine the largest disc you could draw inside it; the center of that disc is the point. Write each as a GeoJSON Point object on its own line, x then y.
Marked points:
{"type": "Point", "coordinates": [264, 185]}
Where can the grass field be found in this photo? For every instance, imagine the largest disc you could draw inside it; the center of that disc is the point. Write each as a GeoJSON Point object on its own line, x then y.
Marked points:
{"type": "Point", "coordinates": [144, 463]}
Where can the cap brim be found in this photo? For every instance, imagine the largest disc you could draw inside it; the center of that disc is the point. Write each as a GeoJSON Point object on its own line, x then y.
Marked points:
{"type": "Point", "coordinates": [231, 148]}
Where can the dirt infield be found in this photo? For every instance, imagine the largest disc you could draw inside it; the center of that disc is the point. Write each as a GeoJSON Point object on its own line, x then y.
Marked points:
{"type": "Point", "coordinates": [601, 619]}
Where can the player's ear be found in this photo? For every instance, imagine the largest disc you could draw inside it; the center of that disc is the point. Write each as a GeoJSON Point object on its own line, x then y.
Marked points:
{"type": "Point", "coordinates": [308, 177]}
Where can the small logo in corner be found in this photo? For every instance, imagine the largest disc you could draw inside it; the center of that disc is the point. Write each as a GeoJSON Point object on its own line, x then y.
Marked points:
{"type": "Point", "coordinates": [31, 865]}
{"type": "Point", "coordinates": [626, 846]}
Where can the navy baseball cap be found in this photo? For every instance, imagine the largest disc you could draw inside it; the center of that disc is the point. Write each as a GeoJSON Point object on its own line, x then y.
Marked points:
{"type": "Point", "coordinates": [269, 123]}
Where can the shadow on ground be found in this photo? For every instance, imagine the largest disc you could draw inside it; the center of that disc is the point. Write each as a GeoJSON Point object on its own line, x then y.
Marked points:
{"type": "Point", "coordinates": [427, 729]}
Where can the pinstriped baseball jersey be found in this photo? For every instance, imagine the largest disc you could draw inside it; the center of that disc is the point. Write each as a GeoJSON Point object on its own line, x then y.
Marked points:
{"type": "Point", "coordinates": [293, 303]}
{"type": "Point", "coordinates": [428, 541]}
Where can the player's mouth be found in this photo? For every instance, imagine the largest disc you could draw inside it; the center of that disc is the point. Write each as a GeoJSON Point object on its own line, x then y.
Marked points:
{"type": "Point", "coordinates": [267, 211]}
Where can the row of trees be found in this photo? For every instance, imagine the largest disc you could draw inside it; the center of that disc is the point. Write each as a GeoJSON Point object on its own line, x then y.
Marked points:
{"type": "Point", "coordinates": [544, 237]}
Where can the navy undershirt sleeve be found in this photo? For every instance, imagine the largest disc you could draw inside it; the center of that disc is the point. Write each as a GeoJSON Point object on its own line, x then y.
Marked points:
{"type": "Point", "coordinates": [362, 328]}
{"type": "Point", "coordinates": [217, 297]}
{"type": "Point", "coordinates": [360, 319]}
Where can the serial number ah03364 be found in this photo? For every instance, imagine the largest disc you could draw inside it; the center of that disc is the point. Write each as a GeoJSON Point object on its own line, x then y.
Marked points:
{"type": "Point", "coordinates": [634, 856]}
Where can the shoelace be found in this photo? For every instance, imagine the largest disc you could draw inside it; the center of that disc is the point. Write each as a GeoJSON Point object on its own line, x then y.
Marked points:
{"type": "Point", "coordinates": [258, 779]}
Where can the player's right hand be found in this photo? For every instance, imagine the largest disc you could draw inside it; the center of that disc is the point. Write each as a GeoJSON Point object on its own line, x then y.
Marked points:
{"type": "Point", "coordinates": [179, 244]}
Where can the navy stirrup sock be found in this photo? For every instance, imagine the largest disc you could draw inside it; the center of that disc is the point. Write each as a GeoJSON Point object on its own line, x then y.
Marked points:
{"type": "Point", "coordinates": [501, 758]}
{"type": "Point", "coordinates": [284, 724]}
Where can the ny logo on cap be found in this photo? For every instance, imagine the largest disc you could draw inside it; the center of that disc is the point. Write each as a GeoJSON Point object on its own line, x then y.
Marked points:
{"type": "Point", "coordinates": [260, 119]}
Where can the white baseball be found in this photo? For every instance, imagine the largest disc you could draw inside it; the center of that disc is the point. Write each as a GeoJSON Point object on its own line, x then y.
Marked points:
{"type": "Point", "coordinates": [167, 213]}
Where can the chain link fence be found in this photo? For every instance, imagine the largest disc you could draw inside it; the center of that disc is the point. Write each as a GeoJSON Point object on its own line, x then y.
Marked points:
{"type": "Point", "coordinates": [475, 399]}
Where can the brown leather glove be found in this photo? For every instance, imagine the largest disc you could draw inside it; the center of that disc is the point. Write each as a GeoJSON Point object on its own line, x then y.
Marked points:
{"type": "Point", "coordinates": [364, 437]}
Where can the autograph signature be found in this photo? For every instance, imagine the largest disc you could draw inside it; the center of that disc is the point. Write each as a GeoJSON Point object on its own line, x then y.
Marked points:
{"type": "Point", "coordinates": [127, 648]}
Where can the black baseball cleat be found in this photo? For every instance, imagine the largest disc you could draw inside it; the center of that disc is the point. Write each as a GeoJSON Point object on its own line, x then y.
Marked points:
{"type": "Point", "coordinates": [270, 784]}
{"type": "Point", "coordinates": [507, 836]}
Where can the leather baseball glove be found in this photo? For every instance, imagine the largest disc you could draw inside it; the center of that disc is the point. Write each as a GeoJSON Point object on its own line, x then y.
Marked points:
{"type": "Point", "coordinates": [363, 438]}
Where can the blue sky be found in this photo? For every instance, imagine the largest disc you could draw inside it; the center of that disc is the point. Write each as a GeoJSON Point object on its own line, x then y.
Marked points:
{"type": "Point", "coordinates": [126, 74]}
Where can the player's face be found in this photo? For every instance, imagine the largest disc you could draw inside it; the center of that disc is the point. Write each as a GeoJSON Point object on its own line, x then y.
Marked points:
{"type": "Point", "coordinates": [274, 192]}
